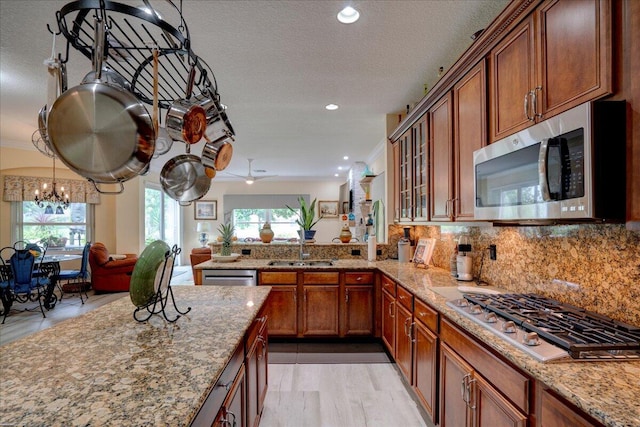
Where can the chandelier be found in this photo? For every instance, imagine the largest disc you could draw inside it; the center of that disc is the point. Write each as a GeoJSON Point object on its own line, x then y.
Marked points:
{"type": "Point", "coordinates": [52, 198]}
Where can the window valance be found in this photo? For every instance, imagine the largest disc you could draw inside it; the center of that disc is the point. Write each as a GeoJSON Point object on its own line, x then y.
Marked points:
{"type": "Point", "coordinates": [22, 188]}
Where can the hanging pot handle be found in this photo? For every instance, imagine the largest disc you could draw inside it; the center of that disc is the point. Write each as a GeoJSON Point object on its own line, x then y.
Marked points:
{"type": "Point", "coordinates": [98, 47]}
{"type": "Point", "coordinates": [95, 184]}
{"type": "Point", "coordinates": [184, 203]}
{"type": "Point", "coordinates": [191, 81]}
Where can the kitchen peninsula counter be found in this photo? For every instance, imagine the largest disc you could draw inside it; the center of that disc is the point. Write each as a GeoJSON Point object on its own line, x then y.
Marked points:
{"type": "Point", "coordinates": [608, 391]}
{"type": "Point", "coordinates": [105, 368]}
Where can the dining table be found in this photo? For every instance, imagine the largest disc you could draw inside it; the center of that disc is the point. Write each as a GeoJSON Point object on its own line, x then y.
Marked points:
{"type": "Point", "coordinates": [48, 265]}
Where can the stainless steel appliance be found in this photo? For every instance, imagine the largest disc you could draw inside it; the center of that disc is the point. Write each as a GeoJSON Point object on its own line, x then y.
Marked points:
{"type": "Point", "coordinates": [568, 168]}
{"type": "Point", "coordinates": [550, 330]}
{"type": "Point", "coordinates": [230, 277]}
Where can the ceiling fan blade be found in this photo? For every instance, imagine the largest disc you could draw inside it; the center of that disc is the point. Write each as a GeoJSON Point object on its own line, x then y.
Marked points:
{"type": "Point", "coordinates": [234, 174]}
{"type": "Point", "coordinates": [255, 178]}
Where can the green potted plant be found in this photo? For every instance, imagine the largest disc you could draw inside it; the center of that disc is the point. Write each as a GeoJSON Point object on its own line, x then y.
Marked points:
{"type": "Point", "coordinates": [306, 217]}
{"type": "Point", "coordinates": [226, 235]}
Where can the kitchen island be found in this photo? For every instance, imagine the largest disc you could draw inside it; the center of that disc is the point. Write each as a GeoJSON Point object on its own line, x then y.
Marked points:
{"type": "Point", "coordinates": [608, 390]}
{"type": "Point", "coordinates": [105, 368]}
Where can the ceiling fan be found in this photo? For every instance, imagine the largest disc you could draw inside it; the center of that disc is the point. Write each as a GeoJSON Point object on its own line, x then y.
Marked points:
{"type": "Point", "coordinates": [249, 178]}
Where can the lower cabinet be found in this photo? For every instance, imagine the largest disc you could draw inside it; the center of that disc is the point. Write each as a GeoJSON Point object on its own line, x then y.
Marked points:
{"type": "Point", "coordinates": [328, 304]}
{"type": "Point", "coordinates": [476, 387]}
{"type": "Point", "coordinates": [232, 413]}
{"type": "Point", "coordinates": [404, 319]}
{"type": "Point", "coordinates": [388, 314]}
{"type": "Point", "coordinates": [425, 357]}
{"type": "Point", "coordinates": [553, 411]}
{"type": "Point", "coordinates": [256, 362]}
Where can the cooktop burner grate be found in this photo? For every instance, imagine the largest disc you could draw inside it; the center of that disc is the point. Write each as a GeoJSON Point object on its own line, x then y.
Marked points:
{"type": "Point", "coordinates": [583, 334]}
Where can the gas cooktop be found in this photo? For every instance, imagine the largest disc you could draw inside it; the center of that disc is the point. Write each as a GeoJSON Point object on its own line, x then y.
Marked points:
{"type": "Point", "coordinates": [550, 330]}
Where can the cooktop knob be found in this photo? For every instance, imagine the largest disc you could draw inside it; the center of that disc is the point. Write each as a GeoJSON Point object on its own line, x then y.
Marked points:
{"type": "Point", "coordinates": [509, 327]}
{"type": "Point", "coordinates": [490, 317]}
{"type": "Point", "coordinates": [475, 309]}
{"type": "Point", "coordinates": [531, 338]}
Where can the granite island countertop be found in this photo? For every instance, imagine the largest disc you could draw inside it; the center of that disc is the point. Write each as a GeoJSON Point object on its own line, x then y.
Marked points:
{"type": "Point", "coordinates": [609, 391]}
{"type": "Point", "coordinates": [105, 368]}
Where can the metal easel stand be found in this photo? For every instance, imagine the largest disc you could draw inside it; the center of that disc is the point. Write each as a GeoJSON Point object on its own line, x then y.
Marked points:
{"type": "Point", "coordinates": [160, 300]}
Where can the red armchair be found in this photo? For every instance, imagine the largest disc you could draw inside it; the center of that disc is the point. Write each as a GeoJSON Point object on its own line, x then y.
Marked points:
{"type": "Point", "coordinates": [108, 274]}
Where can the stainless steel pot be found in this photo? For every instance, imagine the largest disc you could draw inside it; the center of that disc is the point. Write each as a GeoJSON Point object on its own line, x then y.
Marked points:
{"type": "Point", "coordinates": [217, 155]}
{"type": "Point", "coordinates": [101, 131]}
{"type": "Point", "coordinates": [183, 178]}
{"type": "Point", "coordinates": [186, 119]}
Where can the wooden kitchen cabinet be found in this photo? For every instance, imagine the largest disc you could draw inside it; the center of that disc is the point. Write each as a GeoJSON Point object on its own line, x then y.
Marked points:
{"type": "Point", "coordinates": [411, 177]}
{"type": "Point", "coordinates": [404, 331]}
{"type": "Point", "coordinates": [425, 356]}
{"type": "Point", "coordinates": [533, 73]}
{"type": "Point", "coordinates": [404, 187]}
{"type": "Point", "coordinates": [441, 159]}
{"type": "Point", "coordinates": [553, 411]}
{"type": "Point", "coordinates": [256, 363]}
{"type": "Point", "coordinates": [357, 315]}
{"type": "Point", "coordinates": [476, 387]}
{"type": "Point", "coordinates": [320, 307]}
{"type": "Point", "coordinates": [388, 314]}
{"type": "Point", "coordinates": [470, 134]}
{"type": "Point", "coordinates": [282, 303]}
{"type": "Point", "coordinates": [232, 412]}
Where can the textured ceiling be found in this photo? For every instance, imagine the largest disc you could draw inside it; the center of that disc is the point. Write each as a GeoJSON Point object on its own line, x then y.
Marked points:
{"type": "Point", "coordinates": [277, 64]}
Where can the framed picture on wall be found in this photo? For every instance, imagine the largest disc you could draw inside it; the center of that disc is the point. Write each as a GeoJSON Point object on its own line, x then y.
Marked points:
{"type": "Point", "coordinates": [205, 209]}
{"type": "Point", "coordinates": [328, 209]}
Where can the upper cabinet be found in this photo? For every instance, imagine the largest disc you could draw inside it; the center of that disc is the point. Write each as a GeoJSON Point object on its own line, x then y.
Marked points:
{"type": "Point", "coordinates": [411, 162]}
{"type": "Point", "coordinates": [441, 154]}
{"type": "Point", "coordinates": [557, 58]}
{"type": "Point", "coordinates": [469, 135]}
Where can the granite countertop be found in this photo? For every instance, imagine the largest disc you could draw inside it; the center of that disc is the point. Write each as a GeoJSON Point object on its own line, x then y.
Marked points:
{"type": "Point", "coordinates": [263, 264]}
{"type": "Point", "coordinates": [105, 368]}
{"type": "Point", "coordinates": [608, 391]}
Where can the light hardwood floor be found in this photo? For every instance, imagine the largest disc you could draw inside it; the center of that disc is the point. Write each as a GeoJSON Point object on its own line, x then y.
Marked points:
{"type": "Point", "coordinates": [338, 395]}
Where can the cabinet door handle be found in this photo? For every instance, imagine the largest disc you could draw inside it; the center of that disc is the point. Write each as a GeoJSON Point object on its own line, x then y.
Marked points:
{"type": "Point", "coordinates": [347, 296]}
{"type": "Point", "coordinates": [535, 102]}
{"type": "Point", "coordinates": [465, 388]}
{"type": "Point", "coordinates": [391, 313]}
{"type": "Point", "coordinates": [226, 386]}
{"type": "Point", "coordinates": [529, 94]}
{"type": "Point", "coordinates": [472, 394]}
{"type": "Point", "coordinates": [412, 328]}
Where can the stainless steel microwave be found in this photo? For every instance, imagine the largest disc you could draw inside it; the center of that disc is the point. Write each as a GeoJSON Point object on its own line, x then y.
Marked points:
{"type": "Point", "coordinates": [569, 168]}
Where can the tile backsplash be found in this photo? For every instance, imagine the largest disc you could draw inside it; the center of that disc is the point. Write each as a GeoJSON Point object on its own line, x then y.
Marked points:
{"type": "Point", "coordinates": [596, 267]}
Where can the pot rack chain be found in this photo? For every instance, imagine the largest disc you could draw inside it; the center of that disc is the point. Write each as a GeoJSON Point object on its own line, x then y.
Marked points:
{"type": "Point", "coordinates": [132, 35]}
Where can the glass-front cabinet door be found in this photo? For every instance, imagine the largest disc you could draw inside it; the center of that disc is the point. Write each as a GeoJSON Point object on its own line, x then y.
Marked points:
{"type": "Point", "coordinates": [420, 185]}
{"type": "Point", "coordinates": [405, 188]}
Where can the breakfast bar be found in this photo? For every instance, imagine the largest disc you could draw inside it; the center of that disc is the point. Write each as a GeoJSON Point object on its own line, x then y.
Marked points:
{"type": "Point", "coordinates": [105, 368]}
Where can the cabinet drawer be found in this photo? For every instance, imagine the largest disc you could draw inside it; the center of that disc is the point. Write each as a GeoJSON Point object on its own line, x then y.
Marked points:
{"type": "Point", "coordinates": [358, 278]}
{"type": "Point", "coordinates": [405, 298]}
{"type": "Point", "coordinates": [425, 315]}
{"type": "Point", "coordinates": [389, 286]}
{"type": "Point", "coordinates": [278, 278]}
{"type": "Point", "coordinates": [511, 383]}
{"type": "Point", "coordinates": [324, 278]}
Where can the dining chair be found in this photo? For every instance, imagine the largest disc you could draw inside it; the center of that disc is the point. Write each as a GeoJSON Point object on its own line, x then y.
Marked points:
{"type": "Point", "coordinates": [79, 277]}
{"type": "Point", "coordinates": [23, 285]}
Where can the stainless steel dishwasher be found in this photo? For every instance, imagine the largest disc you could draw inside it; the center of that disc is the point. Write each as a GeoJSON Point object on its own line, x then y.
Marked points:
{"type": "Point", "coordinates": [229, 277]}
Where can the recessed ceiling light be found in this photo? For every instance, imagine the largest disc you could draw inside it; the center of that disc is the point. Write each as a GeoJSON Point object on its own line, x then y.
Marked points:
{"type": "Point", "coordinates": [331, 107]}
{"type": "Point", "coordinates": [339, 168]}
{"type": "Point", "coordinates": [336, 174]}
{"type": "Point", "coordinates": [348, 15]}
{"type": "Point", "coordinates": [346, 157]}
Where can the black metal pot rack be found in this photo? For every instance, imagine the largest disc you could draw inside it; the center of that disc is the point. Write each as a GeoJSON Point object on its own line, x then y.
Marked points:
{"type": "Point", "coordinates": [160, 300]}
{"type": "Point", "coordinates": [132, 35]}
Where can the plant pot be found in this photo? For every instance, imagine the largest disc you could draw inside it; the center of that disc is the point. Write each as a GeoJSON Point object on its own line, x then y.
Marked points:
{"type": "Point", "coordinates": [308, 234]}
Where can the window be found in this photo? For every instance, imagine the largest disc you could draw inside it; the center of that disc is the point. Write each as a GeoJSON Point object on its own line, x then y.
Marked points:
{"type": "Point", "coordinates": [162, 216]}
{"type": "Point", "coordinates": [69, 230]}
{"type": "Point", "coordinates": [248, 222]}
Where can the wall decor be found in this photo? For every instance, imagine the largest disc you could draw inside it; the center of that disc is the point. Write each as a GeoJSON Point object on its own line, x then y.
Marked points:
{"type": "Point", "coordinates": [205, 209]}
{"type": "Point", "coordinates": [328, 209]}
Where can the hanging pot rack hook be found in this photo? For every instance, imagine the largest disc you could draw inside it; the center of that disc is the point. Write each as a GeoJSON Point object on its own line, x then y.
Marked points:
{"type": "Point", "coordinates": [53, 32]}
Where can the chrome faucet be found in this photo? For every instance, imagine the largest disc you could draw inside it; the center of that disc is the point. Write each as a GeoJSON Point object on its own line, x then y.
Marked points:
{"type": "Point", "coordinates": [302, 239]}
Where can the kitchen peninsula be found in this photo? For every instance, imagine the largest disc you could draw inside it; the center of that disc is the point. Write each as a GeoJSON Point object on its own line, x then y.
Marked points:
{"type": "Point", "coordinates": [105, 368]}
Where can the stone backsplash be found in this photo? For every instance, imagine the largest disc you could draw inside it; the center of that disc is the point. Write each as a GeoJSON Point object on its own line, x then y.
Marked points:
{"type": "Point", "coordinates": [596, 267]}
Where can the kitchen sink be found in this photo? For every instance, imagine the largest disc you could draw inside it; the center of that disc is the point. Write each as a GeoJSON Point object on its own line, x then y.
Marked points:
{"type": "Point", "coordinates": [296, 263]}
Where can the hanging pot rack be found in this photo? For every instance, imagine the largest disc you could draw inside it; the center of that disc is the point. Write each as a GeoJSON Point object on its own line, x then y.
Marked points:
{"type": "Point", "coordinates": [132, 35]}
